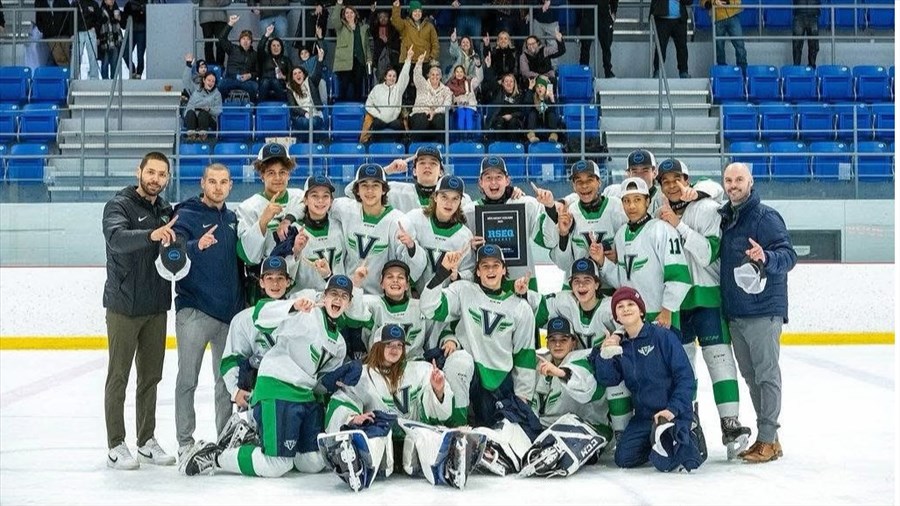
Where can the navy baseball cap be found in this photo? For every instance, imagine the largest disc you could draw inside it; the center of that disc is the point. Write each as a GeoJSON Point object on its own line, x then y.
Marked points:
{"type": "Point", "coordinates": [319, 180]}
{"type": "Point", "coordinates": [340, 282]}
{"type": "Point", "coordinates": [489, 251]}
{"type": "Point", "coordinates": [558, 326]}
{"type": "Point", "coordinates": [641, 157]}
{"type": "Point", "coordinates": [585, 266]}
{"type": "Point", "coordinates": [585, 167]}
{"type": "Point", "coordinates": [273, 265]}
{"type": "Point", "coordinates": [395, 263]}
{"type": "Point", "coordinates": [673, 165]}
{"type": "Point", "coordinates": [451, 183]}
{"type": "Point", "coordinates": [272, 150]}
{"type": "Point", "coordinates": [390, 332]}
{"type": "Point", "coordinates": [370, 171]}
{"type": "Point", "coordinates": [493, 162]}
{"type": "Point", "coordinates": [431, 151]}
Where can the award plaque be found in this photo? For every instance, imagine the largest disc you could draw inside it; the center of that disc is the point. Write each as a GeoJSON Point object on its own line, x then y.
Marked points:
{"type": "Point", "coordinates": [504, 225]}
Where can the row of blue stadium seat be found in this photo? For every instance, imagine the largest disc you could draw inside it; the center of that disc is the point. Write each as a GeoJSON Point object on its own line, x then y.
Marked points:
{"type": "Point", "coordinates": [779, 121]}
{"type": "Point", "coordinates": [822, 161]}
{"type": "Point", "coordinates": [796, 83]}
{"type": "Point", "coordinates": [47, 85]}
{"type": "Point", "coordinates": [770, 16]}
{"type": "Point", "coordinates": [339, 160]}
{"type": "Point", "coordinates": [31, 122]}
{"type": "Point", "coordinates": [23, 170]}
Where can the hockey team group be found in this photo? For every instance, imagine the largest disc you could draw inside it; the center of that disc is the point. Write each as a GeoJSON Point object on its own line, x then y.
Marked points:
{"type": "Point", "coordinates": [375, 333]}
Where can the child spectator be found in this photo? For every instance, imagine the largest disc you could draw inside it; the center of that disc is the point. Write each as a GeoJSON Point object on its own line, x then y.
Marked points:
{"type": "Point", "coordinates": [203, 109]}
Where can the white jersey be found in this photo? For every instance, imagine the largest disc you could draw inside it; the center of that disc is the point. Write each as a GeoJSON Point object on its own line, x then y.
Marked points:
{"type": "Point", "coordinates": [588, 326]}
{"type": "Point", "coordinates": [253, 245]}
{"type": "Point", "coordinates": [600, 224]}
{"type": "Point", "coordinates": [700, 236]}
{"type": "Point", "coordinates": [433, 241]}
{"type": "Point", "coordinates": [413, 400]}
{"type": "Point", "coordinates": [542, 231]}
{"type": "Point", "coordinates": [244, 340]}
{"type": "Point", "coordinates": [369, 238]}
{"type": "Point", "coordinates": [498, 330]}
{"type": "Point", "coordinates": [651, 261]}
{"type": "Point", "coordinates": [327, 243]}
{"type": "Point", "coordinates": [421, 333]}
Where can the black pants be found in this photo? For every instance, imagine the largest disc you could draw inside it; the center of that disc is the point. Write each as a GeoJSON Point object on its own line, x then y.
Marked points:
{"type": "Point", "coordinates": [675, 29]}
{"type": "Point", "coordinates": [809, 26]}
{"type": "Point", "coordinates": [387, 132]}
{"type": "Point", "coordinates": [603, 29]}
{"type": "Point", "coordinates": [433, 130]}
{"type": "Point", "coordinates": [211, 51]}
{"type": "Point", "coordinates": [352, 83]}
{"type": "Point", "coordinates": [199, 120]}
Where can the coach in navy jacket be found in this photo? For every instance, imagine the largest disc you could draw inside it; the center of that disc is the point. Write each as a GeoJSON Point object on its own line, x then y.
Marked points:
{"type": "Point", "coordinates": [207, 298]}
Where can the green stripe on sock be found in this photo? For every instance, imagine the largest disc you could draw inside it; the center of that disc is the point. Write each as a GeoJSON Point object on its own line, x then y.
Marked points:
{"type": "Point", "coordinates": [618, 407]}
{"type": "Point", "coordinates": [245, 460]}
{"type": "Point", "coordinates": [269, 428]}
{"type": "Point", "coordinates": [725, 391]}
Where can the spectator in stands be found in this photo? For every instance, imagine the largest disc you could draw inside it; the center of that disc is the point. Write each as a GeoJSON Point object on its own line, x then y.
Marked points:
{"type": "Point", "coordinates": [416, 32]}
{"type": "Point", "coordinates": [203, 109]}
{"type": "Point", "coordinates": [271, 12]}
{"type": "Point", "coordinates": [468, 21]}
{"type": "Point", "coordinates": [241, 69]}
{"type": "Point", "coordinates": [274, 67]}
{"type": "Point", "coordinates": [727, 15]}
{"type": "Point", "coordinates": [545, 23]}
{"type": "Point", "coordinates": [109, 38]}
{"type": "Point", "coordinates": [136, 10]}
{"type": "Point", "coordinates": [463, 53]}
{"type": "Point", "coordinates": [192, 77]}
{"type": "Point", "coordinates": [806, 22]}
{"type": "Point", "coordinates": [87, 13]}
{"type": "Point", "coordinates": [310, 63]}
{"type": "Point", "coordinates": [506, 116]}
{"type": "Point", "coordinates": [542, 122]}
{"type": "Point", "coordinates": [55, 23]}
{"type": "Point", "coordinates": [503, 56]}
{"type": "Point", "coordinates": [384, 102]}
{"type": "Point", "coordinates": [465, 105]}
{"type": "Point", "coordinates": [386, 41]}
{"type": "Point", "coordinates": [432, 100]}
{"type": "Point", "coordinates": [353, 52]}
{"type": "Point", "coordinates": [600, 27]}
{"type": "Point", "coordinates": [671, 23]}
{"type": "Point", "coordinates": [311, 27]}
{"type": "Point", "coordinates": [536, 58]}
{"type": "Point", "coordinates": [213, 18]}
{"type": "Point", "coordinates": [303, 99]}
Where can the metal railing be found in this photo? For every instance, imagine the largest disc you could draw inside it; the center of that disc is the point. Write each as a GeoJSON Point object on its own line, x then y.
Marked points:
{"type": "Point", "coordinates": [15, 18]}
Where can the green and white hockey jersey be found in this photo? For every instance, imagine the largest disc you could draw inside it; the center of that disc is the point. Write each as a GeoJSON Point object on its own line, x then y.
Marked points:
{"type": "Point", "coordinates": [253, 245]}
{"type": "Point", "coordinates": [413, 400]}
{"type": "Point", "coordinates": [370, 238]}
{"type": "Point", "coordinates": [588, 326]}
{"type": "Point", "coordinates": [431, 242]}
{"type": "Point", "coordinates": [601, 223]}
{"type": "Point", "coordinates": [498, 330]}
{"type": "Point", "coordinates": [244, 340]}
{"type": "Point", "coordinates": [651, 261]}
{"type": "Point", "coordinates": [421, 333]}
{"type": "Point", "coordinates": [404, 197]}
{"type": "Point", "coordinates": [700, 237]}
{"type": "Point", "coordinates": [541, 229]}
{"type": "Point", "coordinates": [326, 242]}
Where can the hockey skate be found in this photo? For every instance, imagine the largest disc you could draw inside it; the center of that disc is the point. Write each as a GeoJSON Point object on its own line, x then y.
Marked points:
{"type": "Point", "coordinates": [236, 432]}
{"type": "Point", "coordinates": [735, 436]}
{"type": "Point", "coordinates": [200, 459]}
{"type": "Point", "coordinates": [495, 460]}
{"type": "Point", "coordinates": [542, 462]}
{"type": "Point", "coordinates": [463, 453]}
{"type": "Point", "coordinates": [343, 456]}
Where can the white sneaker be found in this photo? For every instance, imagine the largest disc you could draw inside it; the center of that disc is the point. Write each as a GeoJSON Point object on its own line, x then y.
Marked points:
{"type": "Point", "coordinates": [183, 449]}
{"type": "Point", "coordinates": [152, 453]}
{"type": "Point", "coordinates": [120, 458]}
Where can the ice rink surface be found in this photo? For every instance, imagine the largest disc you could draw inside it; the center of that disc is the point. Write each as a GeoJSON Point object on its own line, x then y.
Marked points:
{"type": "Point", "coordinates": [839, 421]}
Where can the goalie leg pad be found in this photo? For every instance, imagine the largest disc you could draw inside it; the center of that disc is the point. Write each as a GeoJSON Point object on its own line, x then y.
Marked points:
{"type": "Point", "coordinates": [348, 454]}
{"type": "Point", "coordinates": [563, 448]}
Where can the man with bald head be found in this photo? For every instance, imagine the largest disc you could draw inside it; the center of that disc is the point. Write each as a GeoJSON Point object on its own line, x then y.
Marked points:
{"type": "Point", "coordinates": [756, 255]}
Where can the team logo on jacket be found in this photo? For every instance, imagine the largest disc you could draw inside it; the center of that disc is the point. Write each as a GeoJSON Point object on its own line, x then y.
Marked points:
{"type": "Point", "coordinates": [646, 350]}
{"type": "Point", "coordinates": [631, 264]}
{"type": "Point", "coordinates": [290, 444]}
{"type": "Point", "coordinates": [490, 321]}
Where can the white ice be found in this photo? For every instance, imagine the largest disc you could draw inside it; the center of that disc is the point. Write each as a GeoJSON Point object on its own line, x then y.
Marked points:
{"type": "Point", "coordinates": [838, 417]}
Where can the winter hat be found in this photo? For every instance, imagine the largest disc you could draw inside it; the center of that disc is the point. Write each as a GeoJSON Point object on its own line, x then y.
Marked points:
{"type": "Point", "coordinates": [627, 293]}
{"type": "Point", "coordinates": [273, 264]}
{"type": "Point", "coordinates": [389, 332]}
{"type": "Point", "coordinates": [340, 282]}
{"type": "Point", "coordinates": [415, 5]}
{"type": "Point", "coordinates": [543, 81]}
{"type": "Point", "coordinates": [641, 157]}
{"type": "Point", "coordinates": [750, 276]}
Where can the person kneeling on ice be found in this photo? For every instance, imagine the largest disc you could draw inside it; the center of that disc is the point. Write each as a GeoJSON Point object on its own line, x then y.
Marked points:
{"type": "Point", "coordinates": [650, 359]}
{"type": "Point", "coordinates": [571, 407]}
{"type": "Point", "coordinates": [307, 347]}
{"type": "Point", "coordinates": [360, 418]}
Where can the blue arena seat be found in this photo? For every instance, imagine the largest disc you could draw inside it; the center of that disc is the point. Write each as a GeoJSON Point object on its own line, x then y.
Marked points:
{"type": "Point", "coordinates": [763, 83]}
{"type": "Point", "coordinates": [465, 159]}
{"type": "Point", "coordinates": [27, 170]}
{"type": "Point", "coordinates": [513, 153]}
{"type": "Point", "coordinates": [854, 122]}
{"type": "Point", "coordinates": [740, 122]}
{"type": "Point", "coordinates": [384, 153]}
{"type": "Point", "coordinates": [750, 17]}
{"type": "Point", "coordinates": [884, 121]}
{"type": "Point", "coordinates": [872, 83]}
{"type": "Point", "coordinates": [831, 161]}
{"type": "Point", "coordinates": [880, 14]}
{"type": "Point", "coordinates": [844, 17]}
{"type": "Point", "coordinates": [753, 154]}
{"type": "Point", "coordinates": [346, 120]}
{"type": "Point", "coordinates": [272, 120]}
{"type": "Point", "coordinates": [192, 159]}
{"type": "Point", "coordinates": [343, 159]}
{"type": "Point", "coordinates": [9, 122]}
{"type": "Point", "coordinates": [576, 83]}
{"type": "Point", "coordinates": [727, 84]}
{"type": "Point", "coordinates": [702, 21]}
{"type": "Point", "coordinates": [310, 160]}
{"type": "Point", "coordinates": [777, 122]}
{"type": "Point", "coordinates": [789, 161]}
{"type": "Point", "coordinates": [815, 122]}
{"type": "Point", "coordinates": [50, 84]}
{"type": "Point", "coordinates": [799, 84]}
{"type": "Point", "coordinates": [14, 84]}
{"type": "Point", "coordinates": [38, 123]}
{"type": "Point", "coordinates": [233, 155]}
{"type": "Point", "coordinates": [215, 69]}
{"type": "Point", "coordinates": [835, 83]}
{"type": "Point", "coordinates": [874, 162]}
{"type": "Point", "coordinates": [572, 117]}
{"type": "Point", "coordinates": [236, 123]}
{"type": "Point", "coordinates": [545, 161]}
{"type": "Point", "coordinates": [775, 17]}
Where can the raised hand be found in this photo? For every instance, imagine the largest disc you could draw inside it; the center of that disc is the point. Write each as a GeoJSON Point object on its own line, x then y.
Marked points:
{"type": "Point", "coordinates": [521, 284]}
{"type": "Point", "coordinates": [164, 234]}
{"type": "Point", "coordinates": [668, 215]}
{"type": "Point", "coordinates": [611, 345]}
{"type": "Point", "coordinates": [207, 239]}
{"type": "Point", "coordinates": [476, 242]}
{"type": "Point", "coordinates": [756, 252]}
{"type": "Point", "coordinates": [453, 35]}
{"type": "Point", "coordinates": [421, 59]}
{"type": "Point", "coordinates": [321, 266]}
{"type": "Point", "coordinates": [304, 305]}
{"type": "Point", "coordinates": [233, 19]}
{"type": "Point", "coordinates": [300, 242]}
{"type": "Point", "coordinates": [398, 166]}
{"type": "Point", "coordinates": [564, 221]}
{"type": "Point", "coordinates": [437, 380]}
{"type": "Point", "coordinates": [410, 53]}
{"type": "Point", "coordinates": [319, 34]}
{"type": "Point", "coordinates": [451, 260]}
{"type": "Point", "coordinates": [272, 210]}
{"type": "Point", "coordinates": [487, 60]}
{"type": "Point", "coordinates": [688, 194]}
{"type": "Point", "coordinates": [404, 237]}
{"type": "Point", "coordinates": [189, 57]}
{"type": "Point", "coordinates": [320, 52]}
{"type": "Point", "coordinates": [546, 368]}
{"type": "Point", "coordinates": [543, 196]}
{"type": "Point", "coordinates": [360, 273]}
{"type": "Point", "coordinates": [596, 251]}
{"type": "Point", "coordinates": [269, 30]}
